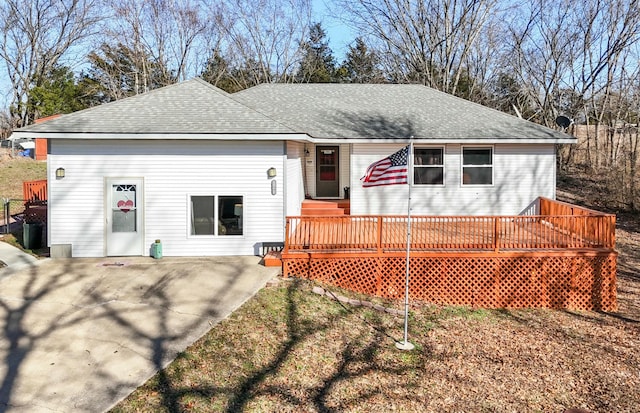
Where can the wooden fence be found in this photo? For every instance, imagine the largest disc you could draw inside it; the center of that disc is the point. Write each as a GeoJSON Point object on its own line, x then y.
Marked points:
{"type": "Point", "coordinates": [565, 260]}
{"type": "Point", "coordinates": [34, 190]}
{"type": "Point", "coordinates": [35, 197]}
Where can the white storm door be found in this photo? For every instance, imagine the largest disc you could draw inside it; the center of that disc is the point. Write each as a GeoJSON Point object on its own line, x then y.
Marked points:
{"type": "Point", "coordinates": [124, 216]}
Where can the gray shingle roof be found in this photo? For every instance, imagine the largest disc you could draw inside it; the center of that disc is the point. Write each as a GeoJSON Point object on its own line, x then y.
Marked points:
{"type": "Point", "coordinates": [322, 111]}
{"type": "Point", "coordinates": [190, 107]}
{"type": "Point", "coordinates": [386, 111]}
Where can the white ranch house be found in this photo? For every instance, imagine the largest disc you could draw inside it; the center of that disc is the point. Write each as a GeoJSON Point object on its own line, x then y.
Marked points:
{"type": "Point", "coordinates": [211, 173]}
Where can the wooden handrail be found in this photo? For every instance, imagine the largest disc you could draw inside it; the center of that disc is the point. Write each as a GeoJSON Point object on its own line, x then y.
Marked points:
{"type": "Point", "coordinates": [388, 233]}
{"type": "Point", "coordinates": [602, 229]}
{"type": "Point", "coordinates": [34, 190]}
{"type": "Point", "coordinates": [555, 207]}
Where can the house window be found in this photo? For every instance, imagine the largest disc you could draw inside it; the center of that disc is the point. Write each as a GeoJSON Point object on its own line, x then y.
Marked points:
{"type": "Point", "coordinates": [230, 215]}
{"type": "Point", "coordinates": [428, 166]}
{"type": "Point", "coordinates": [477, 166]}
{"type": "Point", "coordinates": [221, 215]}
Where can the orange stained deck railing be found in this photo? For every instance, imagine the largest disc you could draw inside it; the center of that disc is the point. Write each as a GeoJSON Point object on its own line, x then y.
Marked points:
{"type": "Point", "coordinates": [574, 229]}
{"type": "Point", "coordinates": [34, 190]}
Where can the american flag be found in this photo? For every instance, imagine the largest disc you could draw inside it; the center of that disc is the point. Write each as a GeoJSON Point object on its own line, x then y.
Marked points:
{"type": "Point", "coordinates": [391, 170]}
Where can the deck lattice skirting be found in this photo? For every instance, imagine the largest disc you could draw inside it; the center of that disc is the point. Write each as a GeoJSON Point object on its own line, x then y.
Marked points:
{"type": "Point", "coordinates": [552, 261]}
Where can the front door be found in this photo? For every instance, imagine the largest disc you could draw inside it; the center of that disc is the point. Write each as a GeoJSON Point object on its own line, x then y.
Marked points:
{"type": "Point", "coordinates": [327, 172]}
{"type": "Point", "coordinates": [124, 216]}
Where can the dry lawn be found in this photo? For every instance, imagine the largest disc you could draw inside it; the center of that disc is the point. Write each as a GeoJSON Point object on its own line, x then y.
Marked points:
{"type": "Point", "coordinates": [289, 349]}
{"type": "Point", "coordinates": [15, 170]}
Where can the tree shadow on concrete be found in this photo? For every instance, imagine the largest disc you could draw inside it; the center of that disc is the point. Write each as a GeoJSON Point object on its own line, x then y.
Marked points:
{"type": "Point", "coordinates": [144, 311]}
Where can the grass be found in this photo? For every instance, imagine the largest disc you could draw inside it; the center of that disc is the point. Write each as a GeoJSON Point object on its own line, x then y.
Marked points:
{"type": "Point", "coordinates": [289, 349]}
{"type": "Point", "coordinates": [14, 171]}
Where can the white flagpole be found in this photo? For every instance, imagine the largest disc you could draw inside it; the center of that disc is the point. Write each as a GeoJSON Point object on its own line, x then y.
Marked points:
{"type": "Point", "coordinates": [406, 345]}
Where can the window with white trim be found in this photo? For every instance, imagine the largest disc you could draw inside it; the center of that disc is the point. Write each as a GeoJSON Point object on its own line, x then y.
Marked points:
{"type": "Point", "coordinates": [477, 166]}
{"type": "Point", "coordinates": [428, 166]}
{"type": "Point", "coordinates": [216, 215]}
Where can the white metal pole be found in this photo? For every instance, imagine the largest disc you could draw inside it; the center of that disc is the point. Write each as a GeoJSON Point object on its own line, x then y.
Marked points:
{"type": "Point", "coordinates": [406, 345]}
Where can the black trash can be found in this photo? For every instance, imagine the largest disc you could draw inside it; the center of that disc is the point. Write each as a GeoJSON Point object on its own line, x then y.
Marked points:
{"type": "Point", "coordinates": [32, 235]}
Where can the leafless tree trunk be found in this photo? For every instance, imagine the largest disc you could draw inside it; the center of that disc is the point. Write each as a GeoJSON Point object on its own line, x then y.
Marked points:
{"type": "Point", "coordinates": [36, 35]}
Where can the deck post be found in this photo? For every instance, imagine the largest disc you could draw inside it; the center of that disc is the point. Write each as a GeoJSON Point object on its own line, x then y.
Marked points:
{"type": "Point", "coordinates": [496, 234]}
{"type": "Point", "coordinates": [286, 235]}
{"type": "Point", "coordinates": [379, 236]}
{"type": "Point", "coordinates": [379, 256]}
{"type": "Point", "coordinates": [285, 249]}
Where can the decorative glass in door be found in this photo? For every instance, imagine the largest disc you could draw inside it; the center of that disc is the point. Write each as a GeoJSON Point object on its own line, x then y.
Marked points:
{"type": "Point", "coordinates": [327, 172]}
{"type": "Point", "coordinates": [327, 164]}
{"type": "Point", "coordinates": [123, 208]}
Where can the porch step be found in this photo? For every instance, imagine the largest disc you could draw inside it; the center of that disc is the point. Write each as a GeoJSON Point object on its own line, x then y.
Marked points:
{"type": "Point", "coordinates": [345, 204]}
{"type": "Point", "coordinates": [273, 259]}
{"type": "Point", "coordinates": [327, 208]}
{"type": "Point", "coordinates": [318, 204]}
{"type": "Point", "coordinates": [322, 211]}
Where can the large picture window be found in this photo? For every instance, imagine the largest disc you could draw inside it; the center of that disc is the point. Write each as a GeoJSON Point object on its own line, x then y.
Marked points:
{"type": "Point", "coordinates": [216, 215]}
{"type": "Point", "coordinates": [477, 166]}
{"type": "Point", "coordinates": [428, 166]}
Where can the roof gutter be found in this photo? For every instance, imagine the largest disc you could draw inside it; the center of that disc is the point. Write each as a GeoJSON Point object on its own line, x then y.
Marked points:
{"type": "Point", "coordinates": [301, 137]}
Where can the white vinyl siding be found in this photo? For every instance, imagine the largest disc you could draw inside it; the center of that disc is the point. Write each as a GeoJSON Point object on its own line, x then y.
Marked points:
{"type": "Point", "coordinates": [172, 170]}
{"type": "Point", "coordinates": [521, 173]}
{"type": "Point", "coordinates": [294, 186]}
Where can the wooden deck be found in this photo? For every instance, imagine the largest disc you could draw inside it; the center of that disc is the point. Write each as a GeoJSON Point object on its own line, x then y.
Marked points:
{"type": "Point", "coordinates": [555, 241]}
{"type": "Point", "coordinates": [448, 234]}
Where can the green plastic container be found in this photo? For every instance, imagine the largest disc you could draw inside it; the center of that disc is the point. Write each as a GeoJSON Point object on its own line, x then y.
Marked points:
{"type": "Point", "coordinates": [32, 235]}
{"type": "Point", "coordinates": [156, 249]}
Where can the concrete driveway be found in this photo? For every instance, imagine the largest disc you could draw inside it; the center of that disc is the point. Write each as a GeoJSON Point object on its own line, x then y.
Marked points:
{"type": "Point", "coordinates": [81, 334]}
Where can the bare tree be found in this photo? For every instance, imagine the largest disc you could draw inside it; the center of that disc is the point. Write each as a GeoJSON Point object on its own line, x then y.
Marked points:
{"type": "Point", "coordinates": [544, 42]}
{"type": "Point", "coordinates": [36, 35]}
{"type": "Point", "coordinates": [171, 34]}
{"type": "Point", "coordinates": [611, 32]}
{"type": "Point", "coordinates": [562, 49]}
{"type": "Point", "coordinates": [265, 36]}
{"type": "Point", "coordinates": [426, 41]}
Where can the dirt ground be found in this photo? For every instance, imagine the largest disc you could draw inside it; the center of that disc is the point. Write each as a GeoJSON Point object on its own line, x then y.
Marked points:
{"type": "Point", "coordinates": [581, 190]}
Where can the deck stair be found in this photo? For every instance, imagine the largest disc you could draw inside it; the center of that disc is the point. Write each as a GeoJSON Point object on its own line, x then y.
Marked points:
{"type": "Point", "coordinates": [315, 207]}
{"type": "Point", "coordinates": [273, 259]}
{"type": "Point", "coordinates": [272, 254]}
{"type": "Point", "coordinates": [345, 204]}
